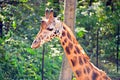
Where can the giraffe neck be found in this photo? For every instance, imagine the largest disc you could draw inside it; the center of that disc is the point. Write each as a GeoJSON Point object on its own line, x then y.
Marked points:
{"type": "Point", "coordinates": [79, 61]}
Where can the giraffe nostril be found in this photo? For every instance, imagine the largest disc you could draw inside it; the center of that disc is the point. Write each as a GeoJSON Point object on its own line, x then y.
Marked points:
{"type": "Point", "coordinates": [35, 41]}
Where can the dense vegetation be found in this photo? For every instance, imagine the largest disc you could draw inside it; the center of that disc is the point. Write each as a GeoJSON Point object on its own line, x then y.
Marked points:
{"type": "Point", "coordinates": [21, 22]}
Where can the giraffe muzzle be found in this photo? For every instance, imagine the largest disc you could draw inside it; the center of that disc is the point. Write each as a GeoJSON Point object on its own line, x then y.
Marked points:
{"type": "Point", "coordinates": [35, 44]}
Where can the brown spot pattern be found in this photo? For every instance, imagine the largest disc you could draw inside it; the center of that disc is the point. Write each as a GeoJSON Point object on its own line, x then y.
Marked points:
{"type": "Point", "coordinates": [85, 60]}
{"type": "Point", "coordinates": [64, 28]}
{"type": "Point", "coordinates": [87, 69]}
{"type": "Point", "coordinates": [84, 70]}
{"type": "Point", "coordinates": [80, 61]}
{"type": "Point", "coordinates": [94, 76]}
{"type": "Point", "coordinates": [63, 33]}
{"type": "Point", "coordinates": [75, 52]}
{"type": "Point", "coordinates": [65, 40]}
{"type": "Point", "coordinates": [63, 43]}
{"type": "Point", "coordinates": [77, 49]}
{"type": "Point", "coordinates": [78, 72]}
{"type": "Point", "coordinates": [67, 50]}
{"type": "Point", "coordinates": [74, 61]}
{"type": "Point", "coordinates": [70, 45]}
{"type": "Point", "coordinates": [68, 35]}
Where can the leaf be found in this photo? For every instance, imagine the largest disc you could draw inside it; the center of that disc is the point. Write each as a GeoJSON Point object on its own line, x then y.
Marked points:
{"type": "Point", "coordinates": [80, 31]}
{"type": "Point", "coordinates": [14, 24]}
{"type": "Point", "coordinates": [31, 51]}
{"type": "Point", "coordinates": [23, 0]}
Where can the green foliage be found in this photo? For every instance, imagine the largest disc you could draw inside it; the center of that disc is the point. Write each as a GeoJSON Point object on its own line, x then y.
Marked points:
{"type": "Point", "coordinates": [98, 17]}
{"type": "Point", "coordinates": [17, 59]}
{"type": "Point", "coordinates": [21, 24]}
{"type": "Point", "coordinates": [80, 31]}
{"type": "Point", "coordinates": [23, 0]}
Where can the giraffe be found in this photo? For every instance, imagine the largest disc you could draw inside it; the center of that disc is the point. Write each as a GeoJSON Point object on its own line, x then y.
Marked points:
{"type": "Point", "coordinates": [82, 68]}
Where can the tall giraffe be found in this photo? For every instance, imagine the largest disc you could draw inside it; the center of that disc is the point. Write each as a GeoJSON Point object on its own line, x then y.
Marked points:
{"type": "Point", "coordinates": [80, 63]}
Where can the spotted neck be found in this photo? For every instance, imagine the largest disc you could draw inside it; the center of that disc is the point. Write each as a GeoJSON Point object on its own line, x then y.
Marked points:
{"type": "Point", "coordinates": [78, 60]}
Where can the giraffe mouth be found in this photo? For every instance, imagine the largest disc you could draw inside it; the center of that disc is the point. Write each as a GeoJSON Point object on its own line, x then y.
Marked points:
{"type": "Point", "coordinates": [37, 44]}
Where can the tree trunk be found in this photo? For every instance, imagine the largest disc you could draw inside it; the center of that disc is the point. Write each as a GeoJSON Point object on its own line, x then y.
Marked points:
{"type": "Point", "coordinates": [69, 19]}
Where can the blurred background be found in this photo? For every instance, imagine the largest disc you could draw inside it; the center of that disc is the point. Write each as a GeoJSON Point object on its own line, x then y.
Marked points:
{"type": "Point", "coordinates": [97, 30]}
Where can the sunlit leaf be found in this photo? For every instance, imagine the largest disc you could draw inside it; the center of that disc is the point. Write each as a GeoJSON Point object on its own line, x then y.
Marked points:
{"type": "Point", "coordinates": [80, 31]}
{"type": "Point", "coordinates": [23, 0]}
{"type": "Point", "coordinates": [14, 24]}
{"type": "Point", "coordinates": [30, 50]}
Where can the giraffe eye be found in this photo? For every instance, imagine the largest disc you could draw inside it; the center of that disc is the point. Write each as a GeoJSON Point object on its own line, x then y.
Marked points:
{"type": "Point", "coordinates": [50, 29]}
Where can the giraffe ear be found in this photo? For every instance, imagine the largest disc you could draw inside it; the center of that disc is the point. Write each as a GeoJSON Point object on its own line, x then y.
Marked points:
{"type": "Point", "coordinates": [51, 15]}
{"type": "Point", "coordinates": [47, 13]}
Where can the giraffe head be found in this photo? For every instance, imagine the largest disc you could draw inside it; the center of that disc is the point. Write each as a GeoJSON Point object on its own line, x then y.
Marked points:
{"type": "Point", "coordinates": [50, 27]}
